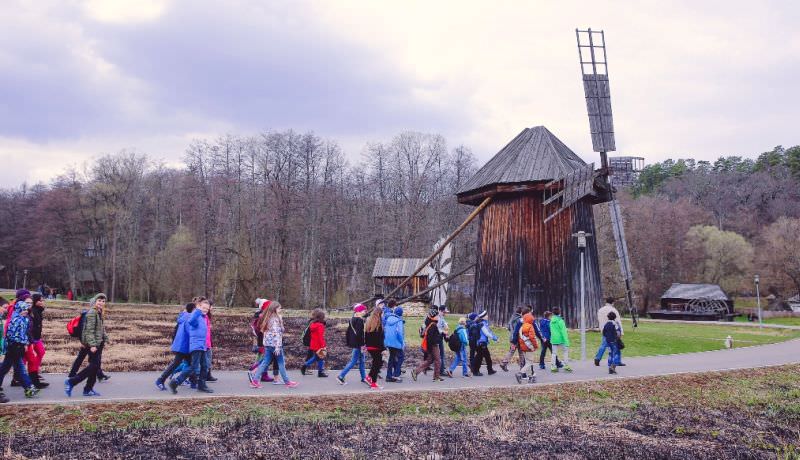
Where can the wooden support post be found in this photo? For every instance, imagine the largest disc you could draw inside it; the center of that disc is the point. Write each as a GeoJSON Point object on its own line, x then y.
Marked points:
{"type": "Point", "coordinates": [450, 238]}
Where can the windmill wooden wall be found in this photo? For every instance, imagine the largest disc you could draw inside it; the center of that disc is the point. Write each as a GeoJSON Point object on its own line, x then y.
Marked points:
{"type": "Point", "coordinates": [522, 260]}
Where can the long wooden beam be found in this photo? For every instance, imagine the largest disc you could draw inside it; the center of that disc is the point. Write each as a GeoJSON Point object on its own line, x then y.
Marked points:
{"type": "Point", "coordinates": [450, 238]}
{"type": "Point", "coordinates": [444, 281]}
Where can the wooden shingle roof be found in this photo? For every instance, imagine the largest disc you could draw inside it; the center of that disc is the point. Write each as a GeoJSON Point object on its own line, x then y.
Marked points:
{"type": "Point", "coordinates": [694, 291]}
{"type": "Point", "coordinates": [535, 155]}
{"type": "Point", "coordinates": [396, 267]}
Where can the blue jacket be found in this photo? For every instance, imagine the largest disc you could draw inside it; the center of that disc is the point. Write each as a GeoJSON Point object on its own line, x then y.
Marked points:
{"type": "Point", "coordinates": [394, 332]}
{"type": "Point", "coordinates": [486, 333]}
{"type": "Point", "coordinates": [544, 328]}
{"type": "Point", "coordinates": [18, 328]}
{"type": "Point", "coordinates": [461, 331]}
{"type": "Point", "coordinates": [197, 330]}
{"type": "Point", "coordinates": [180, 344]}
{"type": "Point", "coordinates": [610, 332]}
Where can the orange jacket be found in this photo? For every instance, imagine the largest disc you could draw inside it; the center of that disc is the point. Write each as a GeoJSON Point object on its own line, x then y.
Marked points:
{"type": "Point", "coordinates": [527, 331]}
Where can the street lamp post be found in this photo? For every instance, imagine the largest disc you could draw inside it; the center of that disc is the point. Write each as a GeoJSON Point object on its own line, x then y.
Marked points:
{"type": "Point", "coordinates": [582, 235]}
{"type": "Point", "coordinates": [758, 301]}
{"type": "Point", "coordinates": [25, 279]}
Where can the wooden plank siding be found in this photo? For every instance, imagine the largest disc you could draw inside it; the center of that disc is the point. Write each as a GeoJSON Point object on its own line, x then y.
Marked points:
{"type": "Point", "coordinates": [522, 260]}
{"type": "Point", "coordinates": [416, 285]}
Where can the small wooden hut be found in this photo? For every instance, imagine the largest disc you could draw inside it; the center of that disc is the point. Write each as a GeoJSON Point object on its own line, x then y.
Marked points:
{"type": "Point", "coordinates": [520, 258]}
{"type": "Point", "coordinates": [389, 273]}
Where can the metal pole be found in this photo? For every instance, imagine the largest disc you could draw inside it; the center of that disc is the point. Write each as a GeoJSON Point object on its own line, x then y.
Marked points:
{"type": "Point", "coordinates": [583, 311]}
{"type": "Point", "coordinates": [758, 300]}
{"type": "Point", "coordinates": [16, 279]}
{"type": "Point", "coordinates": [24, 278]}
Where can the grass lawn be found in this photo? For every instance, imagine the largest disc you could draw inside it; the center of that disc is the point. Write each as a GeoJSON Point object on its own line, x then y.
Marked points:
{"type": "Point", "coordinates": [649, 339]}
{"type": "Point", "coordinates": [782, 321]}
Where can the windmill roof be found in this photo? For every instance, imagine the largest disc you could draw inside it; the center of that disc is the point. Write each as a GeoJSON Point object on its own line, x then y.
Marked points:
{"type": "Point", "coordinates": [694, 291]}
{"type": "Point", "coordinates": [385, 267]}
{"type": "Point", "coordinates": [535, 155]}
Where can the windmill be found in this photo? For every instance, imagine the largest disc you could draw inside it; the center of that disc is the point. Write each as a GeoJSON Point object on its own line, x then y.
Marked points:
{"type": "Point", "coordinates": [569, 189]}
{"type": "Point", "coordinates": [438, 270]}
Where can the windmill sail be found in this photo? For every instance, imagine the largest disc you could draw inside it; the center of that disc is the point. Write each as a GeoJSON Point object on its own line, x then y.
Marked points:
{"type": "Point", "coordinates": [438, 270]}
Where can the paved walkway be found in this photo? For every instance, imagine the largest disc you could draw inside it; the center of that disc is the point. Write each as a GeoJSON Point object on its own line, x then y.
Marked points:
{"type": "Point", "coordinates": [131, 386]}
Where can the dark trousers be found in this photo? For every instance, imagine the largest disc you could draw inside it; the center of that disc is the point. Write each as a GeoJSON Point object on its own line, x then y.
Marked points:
{"type": "Point", "coordinates": [176, 361]}
{"type": "Point", "coordinates": [442, 363]}
{"type": "Point", "coordinates": [198, 369]}
{"type": "Point", "coordinates": [13, 358]}
{"type": "Point", "coordinates": [472, 349]}
{"type": "Point", "coordinates": [377, 363]}
{"type": "Point", "coordinates": [482, 354]}
{"type": "Point", "coordinates": [82, 354]}
{"type": "Point", "coordinates": [546, 345]}
{"type": "Point", "coordinates": [90, 372]}
{"type": "Point", "coordinates": [395, 364]}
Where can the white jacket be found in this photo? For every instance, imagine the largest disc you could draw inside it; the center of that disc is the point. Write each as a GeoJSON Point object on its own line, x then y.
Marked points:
{"type": "Point", "coordinates": [602, 317]}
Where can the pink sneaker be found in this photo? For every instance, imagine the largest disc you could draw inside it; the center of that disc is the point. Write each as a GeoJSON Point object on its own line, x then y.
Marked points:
{"type": "Point", "coordinates": [277, 381]}
{"type": "Point", "coordinates": [374, 386]}
{"type": "Point", "coordinates": [292, 384]}
{"type": "Point", "coordinates": [255, 384]}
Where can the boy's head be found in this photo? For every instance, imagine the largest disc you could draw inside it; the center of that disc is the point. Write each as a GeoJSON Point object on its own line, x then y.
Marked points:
{"type": "Point", "coordinates": [527, 309]}
{"type": "Point", "coordinates": [472, 316]}
{"type": "Point", "coordinates": [98, 301]}
{"type": "Point", "coordinates": [443, 309]}
{"type": "Point", "coordinates": [557, 310]}
{"type": "Point", "coordinates": [612, 316]}
{"type": "Point", "coordinates": [317, 315]}
{"type": "Point", "coordinates": [518, 310]}
{"type": "Point", "coordinates": [547, 314]}
{"type": "Point", "coordinates": [433, 314]}
{"type": "Point", "coordinates": [190, 307]}
{"type": "Point", "coordinates": [462, 321]}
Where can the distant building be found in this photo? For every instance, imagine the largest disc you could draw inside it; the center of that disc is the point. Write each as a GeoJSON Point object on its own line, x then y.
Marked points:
{"type": "Point", "coordinates": [389, 273]}
{"type": "Point", "coordinates": [625, 170]}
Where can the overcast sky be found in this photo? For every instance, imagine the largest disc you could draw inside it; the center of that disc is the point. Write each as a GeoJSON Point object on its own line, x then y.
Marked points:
{"type": "Point", "coordinates": [688, 79]}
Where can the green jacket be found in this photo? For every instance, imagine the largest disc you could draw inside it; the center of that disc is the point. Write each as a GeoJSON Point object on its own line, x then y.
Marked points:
{"type": "Point", "coordinates": [94, 333]}
{"type": "Point", "coordinates": [558, 331]}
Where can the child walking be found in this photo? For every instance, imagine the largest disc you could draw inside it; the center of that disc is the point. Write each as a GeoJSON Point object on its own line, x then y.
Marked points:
{"type": "Point", "coordinates": [35, 351]}
{"type": "Point", "coordinates": [355, 340]}
{"type": "Point", "coordinates": [272, 327]}
{"type": "Point", "coordinates": [461, 354]}
{"type": "Point", "coordinates": [543, 333]}
{"type": "Point", "coordinates": [93, 339]}
{"type": "Point", "coordinates": [431, 337]}
{"type": "Point", "coordinates": [317, 347]}
{"type": "Point", "coordinates": [528, 345]}
{"type": "Point", "coordinates": [394, 339]}
{"type": "Point", "coordinates": [179, 348]}
{"type": "Point", "coordinates": [373, 339]}
{"type": "Point", "coordinates": [258, 342]}
{"type": "Point", "coordinates": [559, 338]}
{"type": "Point", "coordinates": [197, 330]}
{"type": "Point", "coordinates": [611, 336]}
{"type": "Point", "coordinates": [482, 353]}
{"type": "Point", "coordinates": [16, 341]}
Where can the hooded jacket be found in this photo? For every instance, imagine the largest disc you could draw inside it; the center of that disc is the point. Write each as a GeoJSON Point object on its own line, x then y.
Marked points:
{"type": "Point", "coordinates": [180, 344]}
{"type": "Point", "coordinates": [18, 327]}
{"type": "Point", "coordinates": [527, 334]}
{"type": "Point", "coordinates": [558, 331]}
{"type": "Point", "coordinates": [394, 332]}
{"type": "Point", "coordinates": [37, 316]}
{"type": "Point", "coordinates": [94, 331]}
{"type": "Point", "coordinates": [434, 336]}
{"type": "Point", "coordinates": [197, 330]}
{"type": "Point", "coordinates": [317, 332]}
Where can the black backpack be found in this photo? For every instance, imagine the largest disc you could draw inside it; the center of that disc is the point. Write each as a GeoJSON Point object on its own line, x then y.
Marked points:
{"type": "Point", "coordinates": [454, 342]}
{"type": "Point", "coordinates": [474, 332]}
{"type": "Point", "coordinates": [307, 336]}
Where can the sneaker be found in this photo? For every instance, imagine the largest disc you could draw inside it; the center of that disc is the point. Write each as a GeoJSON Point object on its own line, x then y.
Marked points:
{"type": "Point", "coordinates": [414, 374]}
{"type": "Point", "coordinates": [68, 388]}
{"type": "Point", "coordinates": [266, 378]}
{"type": "Point", "coordinates": [205, 389]}
{"type": "Point", "coordinates": [518, 376]}
{"type": "Point", "coordinates": [504, 366]}
{"type": "Point", "coordinates": [554, 370]}
{"type": "Point", "coordinates": [367, 381]}
{"type": "Point", "coordinates": [374, 386]}
{"type": "Point", "coordinates": [596, 362]}
{"type": "Point", "coordinates": [160, 385]}
{"type": "Point", "coordinates": [491, 372]}
{"type": "Point", "coordinates": [30, 392]}
{"type": "Point", "coordinates": [611, 370]}
{"type": "Point", "coordinates": [251, 377]}
{"type": "Point", "coordinates": [192, 385]}
{"type": "Point", "coordinates": [541, 366]}
{"type": "Point", "coordinates": [211, 379]}
{"type": "Point", "coordinates": [478, 374]}
{"type": "Point", "coordinates": [621, 364]}
{"type": "Point", "coordinates": [322, 374]}
{"type": "Point", "coordinates": [449, 373]}
{"type": "Point", "coordinates": [255, 384]}
{"type": "Point", "coordinates": [532, 379]}
{"type": "Point", "coordinates": [173, 387]}
{"type": "Point", "coordinates": [90, 393]}
{"type": "Point", "coordinates": [187, 383]}
{"type": "Point", "coordinates": [103, 378]}
{"type": "Point", "coordinates": [390, 379]}
{"type": "Point", "coordinates": [438, 379]}
{"type": "Point", "coordinates": [277, 382]}
{"type": "Point", "coordinates": [340, 379]}
{"type": "Point", "coordinates": [303, 369]}
{"type": "Point", "coordinates": [292, 384]}
{"type": "Point", "coordinates": [567, 368]}
{"type": "Point", "coordinates": [467, 375]}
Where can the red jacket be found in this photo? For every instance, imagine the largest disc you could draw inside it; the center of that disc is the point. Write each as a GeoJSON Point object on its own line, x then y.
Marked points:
{"type": "Point", "coordinates": [317, 331]}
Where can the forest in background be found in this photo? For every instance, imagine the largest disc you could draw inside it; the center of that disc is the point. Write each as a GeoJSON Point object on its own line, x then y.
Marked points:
{"type": "Point", "coordinates": [283, 214]}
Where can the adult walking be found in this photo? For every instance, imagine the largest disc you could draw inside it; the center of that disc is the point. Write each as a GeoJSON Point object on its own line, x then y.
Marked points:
{"type": "Point", "coordinates": [93, 337]}
{"type": "Point", "coordinates": [373, 340]}
{"type": "Point", "coordinates": [34, 354]}
{"type": "Point", "coordinates": [602, 318]}
{"type": "Point", "coordinates": [197, 330]}
{"type": "Point", "coordinates": [431, 339]}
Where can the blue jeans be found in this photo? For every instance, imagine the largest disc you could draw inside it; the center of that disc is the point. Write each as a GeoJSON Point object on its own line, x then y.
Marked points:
{"type": "Point", "coordinates": [14, 354]}
{"type": "Point", "coordinates": [461, 357]}
{"type": "Point", "coordinates": [208, 356]}
{"type": "Point", "coordinates": [441, 357]}
{"type": "Point", "coordinates": [320, 362]}
{"type": "Point", "coordinates": [269, 353]}
{"type": "Point", "coordinates": [197, 368]}
{"type": "Point", "coordinates": [396, 358]}
{"type": "Point", "coordinates": [617, 356]}
{"type": "Point", "coordinates": [613, 354]}
{"type": "Point", "coordinates": [355, 357]}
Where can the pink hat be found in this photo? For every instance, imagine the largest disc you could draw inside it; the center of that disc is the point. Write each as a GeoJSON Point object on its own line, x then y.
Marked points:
{"type": "Point", "coordinates": [357, 308]}
{"type": "Point", "coordinates": [263, 304]}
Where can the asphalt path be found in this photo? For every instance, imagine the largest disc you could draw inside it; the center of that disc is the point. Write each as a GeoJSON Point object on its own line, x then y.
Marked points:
{"type": "Point", "coordinates": [138, 386]}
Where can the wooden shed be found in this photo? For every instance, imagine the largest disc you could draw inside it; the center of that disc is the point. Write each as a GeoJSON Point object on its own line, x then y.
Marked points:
{"type": "Point", "coordinates": [699, 302]}
{"type": "Point", "coordinates": [520, 258]}
{"type": "Point", "coordinates": [389, 273]}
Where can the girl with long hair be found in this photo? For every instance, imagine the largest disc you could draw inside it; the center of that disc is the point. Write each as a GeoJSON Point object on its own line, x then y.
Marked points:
{"type": "Point", "coordinates": [373, 339]}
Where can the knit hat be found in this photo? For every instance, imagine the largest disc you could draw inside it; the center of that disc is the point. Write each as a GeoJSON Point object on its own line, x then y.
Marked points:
{"type": "Point", "coordinates": [398, 311]}
{"type": "Point", "coordinates": [433, 313]}
{"type": "Point", "coordinates": [482, 314]}
{"type": "Point", "coordinates": [263, 304]}
{"type": "Point", "coordinates": [21, 306]}
{"type": "Point", "coordinates": [23, 294]}
{"type": "Point", "coordinates": [357, 308]}
{"type": "Point", "coordinates": [99, 295]}
{"type": "Point", "coordinates": [472, 316]}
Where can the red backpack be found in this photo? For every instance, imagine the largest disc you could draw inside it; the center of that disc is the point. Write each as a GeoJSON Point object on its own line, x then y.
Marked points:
{"type": "Point", "coordinates": [75, 325]}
